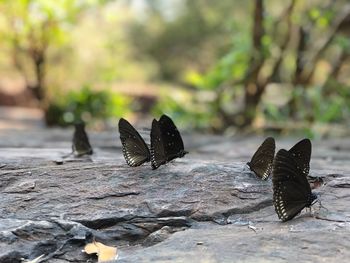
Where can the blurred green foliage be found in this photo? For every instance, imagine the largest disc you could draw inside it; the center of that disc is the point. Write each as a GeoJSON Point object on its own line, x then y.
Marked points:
{"type": "Point", "coordinates": [187, 109]}
{"type": "Point", "coordinates": [314, 105]}
{"type": "Point", "coordinates": [86, 105]}
{"type": "Point", "coordinates": [185, 35]}
{"type": "Point", "coordinates": [324, 98]}
{"type": "Point", "coordinates": [214, 65]}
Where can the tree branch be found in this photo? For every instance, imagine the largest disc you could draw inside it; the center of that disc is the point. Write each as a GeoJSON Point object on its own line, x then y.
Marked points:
{"type": "Point", "coordinates": [256, 60]}
{"type": "Point", "coordinates": [310, 69]}
{"type": "Point", "coordinates": [334, 74]}
{"type": "Point", "coordinates": [300, 60]}
{"type": "Point", "coordinates": [287, 14]}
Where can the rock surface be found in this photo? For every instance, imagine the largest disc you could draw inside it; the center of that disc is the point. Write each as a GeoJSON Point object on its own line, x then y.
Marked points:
{"type": "Point", "coordinates": [205, 207]}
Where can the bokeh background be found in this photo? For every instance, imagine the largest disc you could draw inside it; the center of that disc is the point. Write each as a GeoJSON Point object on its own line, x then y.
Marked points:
{"type": "Point", "coordinates": [214, 66]}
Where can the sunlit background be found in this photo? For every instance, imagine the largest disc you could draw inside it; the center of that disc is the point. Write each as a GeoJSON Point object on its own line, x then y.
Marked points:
{"type": "Point", "coordinates": [214, 66]}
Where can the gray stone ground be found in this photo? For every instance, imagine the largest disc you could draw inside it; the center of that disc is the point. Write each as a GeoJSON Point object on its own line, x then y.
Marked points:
{"type": "Point", "coordinates": [204, 208]}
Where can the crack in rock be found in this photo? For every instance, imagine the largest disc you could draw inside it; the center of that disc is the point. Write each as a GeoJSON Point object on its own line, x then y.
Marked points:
{"type": "Point", "coordinates": [121, 194]}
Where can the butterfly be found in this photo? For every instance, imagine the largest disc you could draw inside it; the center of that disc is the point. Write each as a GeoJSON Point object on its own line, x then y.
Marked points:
{"type": "Point", "coordinates": [81, 144]}
{"type": "Point", "coordinates": [301, 152]}
{"type": "Point", "coordinates": [261, 162]}
{"type": "Point", "coordinates": [135, 150]}
{"type": "Point", "coordinates": [291, 189]}
{"type": "Point", "coordinates": [166, 142]}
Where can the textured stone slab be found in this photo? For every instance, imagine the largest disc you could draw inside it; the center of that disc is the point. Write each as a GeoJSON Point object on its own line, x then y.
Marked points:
{"type": "Point", "coordinates": [301, 240]}
{"type": "Point", "coordinates": [206, 207]}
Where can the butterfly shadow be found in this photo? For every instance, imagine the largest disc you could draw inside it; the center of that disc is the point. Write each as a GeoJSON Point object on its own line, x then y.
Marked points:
{"type": "Point", "coordinates": [323, 213]}
{"type": "Point", "coordinates": [72, 158]}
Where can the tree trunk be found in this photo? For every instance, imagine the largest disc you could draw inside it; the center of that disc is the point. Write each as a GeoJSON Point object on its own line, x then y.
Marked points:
{"type": "Point", "coordinates": [38, 57]}
{"type": "Point", "coordinates": [38, 88]}
{"type": "Point", "coordinates": [252, 97]}
{"type": "Point", "coordinates": [254, 90]}
{"type": "Point", "coordinates": [298, 78]}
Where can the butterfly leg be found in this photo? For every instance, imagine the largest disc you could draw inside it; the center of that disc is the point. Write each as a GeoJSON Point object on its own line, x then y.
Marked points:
{"type": "Point", "coordinates": [321, 206]}
{"type": "Point", "coordinates": [246, 168]}
{"type": "Point", "coordinates": [310, 210]}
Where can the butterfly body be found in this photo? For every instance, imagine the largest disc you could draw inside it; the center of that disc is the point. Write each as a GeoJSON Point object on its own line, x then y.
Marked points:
{"type": "Point", "coordinates": [166, 142]}
{"type": "Point", "coordinates": [291, 190]}
{"type": "Point", "coordinates": [261, 162]}
{"type": "Point", "coordinates": [135, 150]}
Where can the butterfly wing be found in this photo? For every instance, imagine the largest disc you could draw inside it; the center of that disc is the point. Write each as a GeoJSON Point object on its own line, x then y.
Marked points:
{"type": "Point", "coordinates": [135, 149]}
{"type": "Point", "coordinates": [157, 146]}
{"type": "Point", "coordinates": [302, 155]}
{"type": "Point", "coordinates": [288, 204]}
{"type": "Point", "coordinates": [261, 162]}
{"type": "Point", "coordinates": [81, 144]}
{"type": "Point", "coordinates": [173, 144]}
{"type": "Point", "coordinates": [291, 190]}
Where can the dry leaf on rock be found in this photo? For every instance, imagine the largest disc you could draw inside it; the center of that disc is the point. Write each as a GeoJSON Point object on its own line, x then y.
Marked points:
{"type": "Point", "coordinates": [104, 253]}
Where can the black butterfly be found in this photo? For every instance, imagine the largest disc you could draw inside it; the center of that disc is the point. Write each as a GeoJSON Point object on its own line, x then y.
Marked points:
{"type": "Point", "coordinates": [301, 152]}
{"type": "Point", "coordinates": [291, 190]}
{"type": "Point", "coordinates": [81, 144]}
{"type": "Point", "coordinates": [261, 162]}
{"type": "Point", "coordinates": [135, 150]}
{"type": "Point", "coordinates": [166, 142]}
